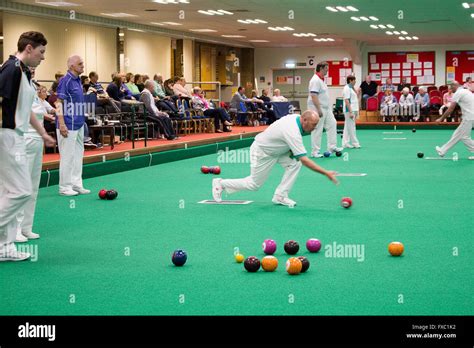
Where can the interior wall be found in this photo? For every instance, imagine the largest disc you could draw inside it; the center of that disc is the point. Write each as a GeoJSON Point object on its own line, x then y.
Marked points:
{"type": "Point", "coordinates": [188, 61]}
{"type": "Point", "coordinates": [147, 53]}
{"type": "Point", "coordinates": [97, 45]}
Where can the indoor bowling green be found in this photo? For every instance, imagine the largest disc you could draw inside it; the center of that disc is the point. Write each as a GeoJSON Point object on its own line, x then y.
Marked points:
{"type": "Point", "coordinates": [101, 257]}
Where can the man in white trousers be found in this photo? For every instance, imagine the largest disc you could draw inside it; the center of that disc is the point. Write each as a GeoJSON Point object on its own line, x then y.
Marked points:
{"type": "Point", "coordinates": [16, 96]}
{"type": "Point", "coordinates": [351, 112]}
{"type": "Point", "coordinates": [465, 99]}
{"type": "Point", "coordinates": [281, 143]}
{"type": "Point", "coordinates": [318, 100]}
{"type": "Point", "coordinates": [70, 129]}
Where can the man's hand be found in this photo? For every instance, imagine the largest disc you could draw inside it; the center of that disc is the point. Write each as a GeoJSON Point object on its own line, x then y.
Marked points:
{"type": "Point", "coordinates": [63, 130]}
{"type": "Point", "coordinates": [351, 114]}
{"type": "Point", "coordinates": [49, 140]}
{"type": "Point", "coordinates": [332, 176]}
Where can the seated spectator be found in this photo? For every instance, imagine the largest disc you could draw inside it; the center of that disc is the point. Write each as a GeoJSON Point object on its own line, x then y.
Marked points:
{"type": "Point", "coordinates": [277, 97]}
{"type": "Point", "coordinates": [267, 106]}
{"type": "Point", "coordinates": [163, 101]}
{"type": "Point", "coordinates": [168, 85]}
{"type": "Point", "coordinates": [57, 77]}
{"type": "Point", "coordinates": [42, 107]}
{"type": "Point", "coordinates": [447, 100]}
{"type": "Point", "coordinates": [115, 89]}
{"type": "Point", "coordinates": [422, 102]}
{"type": "Point", "coordinates": [388, 102]}
{"type": "Point", "coordinates": [85, 83]}
{"type": "Point", "coordinates": [139, 82]}
{"type": "Point", "coordinates": [369, 89]}
{"type": "Point", "coordinates": [239, 97]}
{"type": "Point", "coordinates": [102, 97]}
{"type": "Point", "coordinates": [179, 88]}
{"type": "Point", "coordinates": [53, 94]}
{"type": "Point", "coordinates": [200, 103]}
{"type": "Point", "coordinates": [132, 87]}
{"type": "Point", "coordinates": [388, 85]}
{"type": "Point", "coordinates": [403, 84]}
{"type": "Point", "coordinates": [127, 92]}
{"type": "Point", "coordinates": [406, 103]}
{"type": "Point", "coordinates": [158, 117]}
{"type": "Point", "coordinates": [469, 84]}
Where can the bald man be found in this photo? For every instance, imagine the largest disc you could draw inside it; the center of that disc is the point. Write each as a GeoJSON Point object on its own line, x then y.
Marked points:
{"type": "Point", "coordinates": [70, 129]}
{"type": "Point", "coordinates": [281, 143]}
{"type": "Point", "coordinates": [465, 99]}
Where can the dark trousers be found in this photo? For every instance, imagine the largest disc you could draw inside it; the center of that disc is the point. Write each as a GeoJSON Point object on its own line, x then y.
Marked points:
{"type": "Point", "coordinates": [165, 125]}
{"type": "Point", "coordinates": [218, 114]}
{"type": "Point", "coordinates": [270, 114]}
{"type": "Point", "coordinates": [166, 106]}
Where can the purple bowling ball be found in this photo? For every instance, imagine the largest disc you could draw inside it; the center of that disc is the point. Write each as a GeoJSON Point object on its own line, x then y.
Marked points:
{"type": "Point", "coordinates": [269, 246]}
{"type": "Point", "coordinates": [313, 245]}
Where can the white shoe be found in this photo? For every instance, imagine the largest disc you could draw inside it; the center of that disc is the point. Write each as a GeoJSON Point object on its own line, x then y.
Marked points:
{"type": "Point", "coordinates": [20, 238]}
{"type": "Point", "coordinates": [14, 255]}
{"type": "Point", "coordinates": [471, 157]}
{"type": "Point", "coordinates": [438, 150]}
{"type": "Point", "coordinates": [357, 146]}
{"type": "Point", "coordinates": [348, 146]}
{"type": "Point", "coordinates": [68, 193]}
{"type": "Point", "coordinates": [217, 190]}
{"type": "Point", "coordinates": [336, 149]}
{"type": "Point", "coordinates": [277, 199]}
{"type": "Point", "coordinates": [30, 235]}
{"type": "Point", "coordinates": [81, 190]}
{"type": "Point", "coordinates": [317, 155]}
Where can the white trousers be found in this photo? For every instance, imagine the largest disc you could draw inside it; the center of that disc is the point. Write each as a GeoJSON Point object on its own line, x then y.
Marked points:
{"type": "Point", "coordinates": [462, 133]}
{"type": "Point", "coordinates": [15, 185]}
{"type": "Point", "coordinates": [261, 165]}
{"type": "Point", "coordinates": [71, 150]}
{"type": "Point", "coordinates": [34, 159]}
{"type": "Point", "coordinates": [349, 134]}
{"type": "Point", "coordinates": [328, 122]}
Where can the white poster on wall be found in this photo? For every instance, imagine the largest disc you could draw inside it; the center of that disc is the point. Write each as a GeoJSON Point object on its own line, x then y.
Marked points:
{"type": "Point", "coordinates": [396, 80]}
{"type": "Point", "coordinates": [385, 73]}
{"type": "Point", "coordinates": [395, 65]}
{"type": "Point", "coordinates": [373, 59]}
{"type": "Point", "coordinates": [385, 66]}
{"type": "Point", "coordinates": [428, 72]}
{"type": "Point", "coordinates": [396, 73]}
{"type": "Point", "coordinates": [417, 65]}
{"type": "Point", "coordinates": [428, 65]}
{"type": "Point", "coordinates": [406, 65]}
{"type": "Point", "coordinates": [417, 72]}
{"type": "Point", "coordinates": [406, 72]}
{"type": "Point", "coordinates": [374, 66]}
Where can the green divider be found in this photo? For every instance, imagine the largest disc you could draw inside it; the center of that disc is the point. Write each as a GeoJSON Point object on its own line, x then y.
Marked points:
{"type": "Point", "coordinates": [49, 178]}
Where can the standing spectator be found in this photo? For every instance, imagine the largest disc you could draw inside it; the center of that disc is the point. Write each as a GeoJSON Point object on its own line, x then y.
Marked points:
{"type": "Point", "coordinates": [388, 101]}
{"type": "Point", "coordinates": [369, 89]}
{"type": "Point", "coordinates": [16, 95]}
{"type": "Point", "coordinates": [318, 100]}
{"type": "Point", "coordinates": [465, 99]}
{"type": "Point", "coordinates": [403, 84]}
{"type": "Point", "coordinates": [201, 104]}
{"type": "Point", "coordinates": [102, 96]}
{"type": "Point", "coordinates": [388, 85]}
{"type": "Point", "coordinates": [351, 112]}
{"type": "Point", "coordinates": [161, 118]}
{"type": "Point", "coordinates": [277, 97]}
{"type": "Point", "coordinates": [422, 101]}
{"type": "Point", "coordinates": [70, 129]}
{"type": "Point", "coordinates": [406, 103]}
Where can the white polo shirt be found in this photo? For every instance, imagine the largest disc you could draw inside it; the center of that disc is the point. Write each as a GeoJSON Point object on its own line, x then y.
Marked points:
{"type": "Point", "coordinates": [283, 136]}
{"type": "Point", "coordinates": [349, 93]}
{"type": "Point", "coordinates": [319, 88]}
{"type": "Point", "coordinates": [465, 99]}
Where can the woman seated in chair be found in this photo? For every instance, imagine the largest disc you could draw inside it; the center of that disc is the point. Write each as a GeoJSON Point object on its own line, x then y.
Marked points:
{"type": "Point", "coordinates": [388, 102]}
{"type": "Point", "coordinates": [199, 103]}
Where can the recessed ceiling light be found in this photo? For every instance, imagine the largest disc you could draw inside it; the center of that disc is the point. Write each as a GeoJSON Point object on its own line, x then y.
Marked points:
{"type": "Point", "coordinates": [373, 26]}
{"type": "Point", "coordinates": [381, 26]}
{"type": "Point", "coordinates": [373, 18]}
{"type": "Point", "coordinates": [119, 14]}
{"type": "Point", "coordinates": [1, 37]}
{"type": "Point", "coordinates": [342, 8]}
{"type": "Point", "coordinates": [215, 12]}
{"type": "Point", "coordinates": [166, 2]}
{"type": "Point", "coordinates": [415, 37]}
{"type": "Point", "coordinates": [465, 5]}
{"type": "Point", "coordinates": [233, 36]}
{"type": "Point", "coordinates": [139, 30]}
{"type": "Point", "coordinates": [261, 21]}
{"type": "Point", "coordinates": [404, 32]}
{"type": "Point", "coordinates": [352, 8]}
{"type": "Point", "coordinates": [156, 23]}
{"type": "Point", "coordinates": [396, 32]}
{"type": "Point", "coordinates": [121, 34]}
{"type": "Point", "coordinates": [259, 41]}
{"type": "Point", "coordinates": [390, 26]}
{"type": "Point", "coordinates": [329, 39]}
{"type": "Point", "coordinates": [288, 28]}
{"type": "Point", "coordinates": [357, 19]}
{"type": "Point", "coordinates": [408, 38]}
{"type": "Point", "coordinates": [388, 33]}
{"type": "Point", "coordinates": [364, 18]}
{"type": "Point", "coordinates": [401, 38]}
{"type": "Point", "coordinates": [281, 28]}
{"type": "Point", "coordinates": [225, 12]}
{"type": "Point", "coordinates": [172, 23]}
{"type": "Point", "coordinates": [203, 30]}
{"type": "Point", "coordinates": [58, 3]}
{"type": "Point", "coordinates": [330, 8]}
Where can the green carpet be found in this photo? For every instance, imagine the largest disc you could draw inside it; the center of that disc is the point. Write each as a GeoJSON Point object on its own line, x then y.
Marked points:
{"type": "Point", "coordinates": [81, 254]}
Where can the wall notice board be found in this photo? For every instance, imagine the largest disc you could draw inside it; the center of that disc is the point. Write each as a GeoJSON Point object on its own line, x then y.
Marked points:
{"type": "Point", "coordinates": [459, 66]}
{"type": "Point", "coordinates": [417, 67]}
{"type": "Point", "coordinates": [338, 72]}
